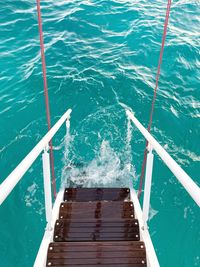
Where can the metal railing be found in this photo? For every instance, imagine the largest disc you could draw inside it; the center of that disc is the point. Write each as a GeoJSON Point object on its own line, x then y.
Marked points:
{"type": "Point", "coordinates": [190, 186]}
{"type": "Point", "coordinates": [16, 175]}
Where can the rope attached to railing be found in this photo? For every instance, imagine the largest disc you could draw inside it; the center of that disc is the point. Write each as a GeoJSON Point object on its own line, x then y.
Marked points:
{"type": "Point", "coordinates": [155, 92]}
{"type": "Point", "coordinates": [46, 94]}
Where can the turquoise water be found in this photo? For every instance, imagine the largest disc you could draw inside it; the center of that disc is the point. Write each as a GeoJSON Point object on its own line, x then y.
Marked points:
{"type": "Point", "coordinates": [101, 56]}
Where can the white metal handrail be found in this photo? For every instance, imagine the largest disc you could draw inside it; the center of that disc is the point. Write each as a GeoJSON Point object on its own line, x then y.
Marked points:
{"type": "Point", "coordinates": [190, 186]}
{"type": "Point", "coordinates": [10, 182]}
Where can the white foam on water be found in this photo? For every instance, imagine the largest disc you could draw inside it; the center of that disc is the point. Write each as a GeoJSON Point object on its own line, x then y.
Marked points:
{"type": "Point", "coordinates": [108, 168]}
{"type": "Point", "coordinates": [68, 139]}
{"type": "Point", "coordinates": [105, 170]}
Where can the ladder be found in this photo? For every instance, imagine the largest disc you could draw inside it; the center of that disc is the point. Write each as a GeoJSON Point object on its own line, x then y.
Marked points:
{"type": "Point", "coordinates": [96, 227]}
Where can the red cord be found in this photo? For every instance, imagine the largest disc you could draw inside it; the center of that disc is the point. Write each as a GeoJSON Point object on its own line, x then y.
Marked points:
{"type": "Point", "coordinates": [46, 95]}
{"type": "Point", "coordinates": [155, 91]}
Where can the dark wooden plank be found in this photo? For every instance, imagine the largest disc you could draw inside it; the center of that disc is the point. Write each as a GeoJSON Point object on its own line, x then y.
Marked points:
{"type": "Point", "coordinates": [118, 249]}
{"type": "Point", "coordinates": [93, 254]}
{"type": "Point", "coordinates": [84, 222]}
{"type": "Point", "coordinates": [97, 237]}
{"type": "Point", "coordinates": [66, 230]}
{"type": "Point", "coordinates": [102, 265]}
{"type": "Point", "coordinates": [97, 253]}
{"type": "Point", "coordinates": [96, 261]}
{"type": "Point", "coordinates": [99, 214]}
{"type": "Point", "coordinates": [96, 194]}
{"type": "Point", "coordinates": [100, 221]}
{"type": "Point", "coordinates": [104, 229]}
{"type": "Point", "coordinates": [97, 205]}
{"type": "Point", "coordinates": [96, 210]}
{"type": "Point", "coordinates": [85, 226]}
{"type": "Point", "coordinates": [95, 245]}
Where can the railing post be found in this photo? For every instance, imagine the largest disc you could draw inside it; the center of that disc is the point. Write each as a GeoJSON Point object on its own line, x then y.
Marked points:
{"type": "Point", "coordinates": [68, 124]}
{"type": "Point", "coordinates": [47, 187]}
{"type": "Point", "coordinates": [147, 187]}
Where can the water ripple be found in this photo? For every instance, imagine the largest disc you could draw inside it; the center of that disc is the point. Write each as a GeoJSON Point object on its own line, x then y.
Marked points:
{"type": "Point", "coordinates": [102, 57]}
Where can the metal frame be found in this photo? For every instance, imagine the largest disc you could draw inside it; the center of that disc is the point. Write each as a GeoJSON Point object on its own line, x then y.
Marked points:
{"type": "Point", "coordinates": [143, 214]}
{"type": "Point", "coordinates": [41, 257]}
{"type": "Point", "coordinates": [16, 175]}
{"type": "Point", "coordinates": [181, 175]}
{"type": "Point", "coordinates": [152, 260]}
{"type": "Point", "coordinates": [10, 182]}
{"type": "Point", "coordinates": [47, 187]}
{"type": "Point", "coordinates": [147, 186]}
{"type": "Point", "coordinates": [190, 186]}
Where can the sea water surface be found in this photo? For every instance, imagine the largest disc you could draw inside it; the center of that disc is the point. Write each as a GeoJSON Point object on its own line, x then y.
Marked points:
{"type": "Point", "coordinates": [101, 57]}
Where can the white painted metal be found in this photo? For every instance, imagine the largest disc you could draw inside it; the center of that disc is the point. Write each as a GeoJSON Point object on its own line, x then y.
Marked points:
{"type": "Point", "coordinates": [181, 175]}
{"type": "Point", "coordinates": [47, 187]}
{"type": "Point", "coordinates": [152, 260]}
{"type": "Point", "coordinates": [147, 187]}
{"type": "Point", "coordinates": [10, 182]}
{"type": "Point", "coordinates": [67, 124]}
{"type": "Point", "coordinates": [40, 260]}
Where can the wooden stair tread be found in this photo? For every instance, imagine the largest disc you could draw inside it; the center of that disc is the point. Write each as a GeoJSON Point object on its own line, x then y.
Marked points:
{"type": "Point", "coordinates": [97, 253]}
{"type": "Point", "coordinates": [93, 246]}
{"type": "Point", "coordinates": [67, 230]}
{"type": "Point", "coordinates": [82, 223]}
{"type": "Point", "coordinates": [96, 194]}
{"type": "Point", "coordinates": [97, 210]}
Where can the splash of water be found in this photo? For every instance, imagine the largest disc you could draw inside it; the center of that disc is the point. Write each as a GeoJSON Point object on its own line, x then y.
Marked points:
{"type": "Point", "coordinates": [105, 170]}
{"type": "Point", "coordinates": [108, 168]}
{"type": "Point", "coordinates": [66, 155]}
{"type": "Point", "coordinates": [128, 144]}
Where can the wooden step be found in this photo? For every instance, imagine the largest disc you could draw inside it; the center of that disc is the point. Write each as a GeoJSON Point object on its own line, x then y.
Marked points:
{"type": "Point", "coordinates": [121, 254]}
{"type": "Point", "coordinates": [96, 194]}
{"type": "Point", "coordinates": [97, 210]}
{"type": "Point", "coordinates": [96, 230]}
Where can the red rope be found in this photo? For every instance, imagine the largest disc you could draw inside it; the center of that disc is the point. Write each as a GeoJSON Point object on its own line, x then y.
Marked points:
{"type": "Point", "coordinates": [155, 92]}
{"type": "Point", "coordinates": [46, 94]}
